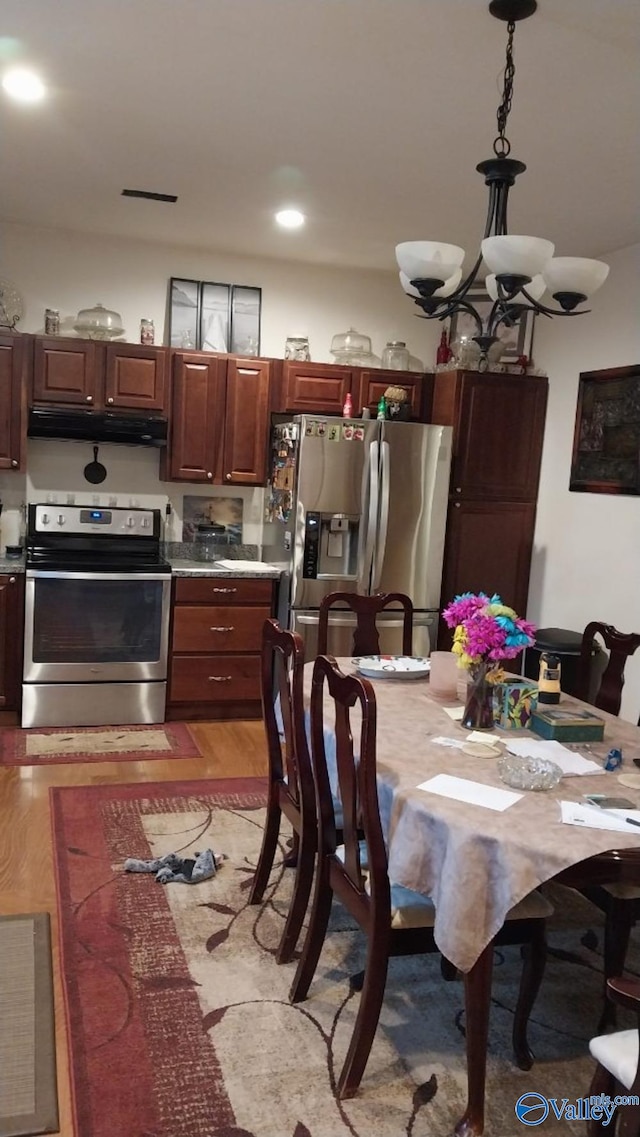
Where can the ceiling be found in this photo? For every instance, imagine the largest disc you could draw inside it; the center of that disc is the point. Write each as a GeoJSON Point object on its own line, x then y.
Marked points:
{"type": "Point", "coordinates": [369, 115]}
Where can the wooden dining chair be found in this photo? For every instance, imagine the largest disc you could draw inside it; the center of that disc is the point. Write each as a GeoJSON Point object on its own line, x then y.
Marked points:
{"type": "Point", "coordinates": [291, 789]}
{"type": "Point", "coordinates": [395, 920]}
{"type": "Point", "coordinates": [618, 1072]}
{"type": "Point", "coordinates": [366, 640]}
{"type": "Point", "coordinates": [621, 646]}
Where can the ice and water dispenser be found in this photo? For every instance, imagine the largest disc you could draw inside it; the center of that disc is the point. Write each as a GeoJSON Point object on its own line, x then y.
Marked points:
{"type": "Point", "coordinates": [330, 545]}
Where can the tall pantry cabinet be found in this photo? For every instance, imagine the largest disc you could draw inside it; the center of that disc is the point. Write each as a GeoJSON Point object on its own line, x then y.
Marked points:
{"type": "Point", "coordinates": [498, 428]}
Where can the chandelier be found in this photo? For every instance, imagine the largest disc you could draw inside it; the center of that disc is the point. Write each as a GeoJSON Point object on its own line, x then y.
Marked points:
{"type": "Point", "coordinates": [520, 269]}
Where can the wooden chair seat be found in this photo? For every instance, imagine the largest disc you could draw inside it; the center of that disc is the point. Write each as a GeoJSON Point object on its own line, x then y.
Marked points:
{"type": "Point", "coordinates": [618, 1053]}
{"type": "Point", "coordinates": [617, 1071]}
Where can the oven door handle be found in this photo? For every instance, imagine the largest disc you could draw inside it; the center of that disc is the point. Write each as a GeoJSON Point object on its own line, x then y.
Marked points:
{"type": "Point", "coordinates": [42, 574]}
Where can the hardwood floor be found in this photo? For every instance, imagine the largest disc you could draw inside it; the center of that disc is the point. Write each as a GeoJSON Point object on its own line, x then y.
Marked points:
{"type": "Point", "coordinates": [27, 884]}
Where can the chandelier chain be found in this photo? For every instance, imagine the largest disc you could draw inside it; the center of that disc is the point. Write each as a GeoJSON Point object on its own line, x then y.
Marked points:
{"type": "Point", "coordinates": [501, 145]}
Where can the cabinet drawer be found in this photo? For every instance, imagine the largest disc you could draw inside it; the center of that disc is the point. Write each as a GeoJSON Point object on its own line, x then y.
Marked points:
{"type": "Point", "coordinates": [199, 628]}
{"type": "Point", "coordinates": [222, 590]}
{"type": "Point", "coordinates": [214, 678]}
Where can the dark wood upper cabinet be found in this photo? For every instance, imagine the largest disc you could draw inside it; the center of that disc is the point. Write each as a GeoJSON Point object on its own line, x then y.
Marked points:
{"type": "Point", "coordinates": [66, 371]}
{"type": "Point", "coordinates": [13, 368]}
{"type": "Point", "coordinates": [197, 419]}
{"type": "Point", "coordinates": [315, 388]}
{"type": "Point", "coordinates": [246, 429]}
{"type": "Point", "coordinates": [498, 423]}
{"type": "Point", "coordinates": [11, 630]}
{"type": "Point", "coordinates": [91, 373]}
{"type": "Point", "coordinates": [373, 385]}
{"type": "Point", "coordinates": [135, 377]}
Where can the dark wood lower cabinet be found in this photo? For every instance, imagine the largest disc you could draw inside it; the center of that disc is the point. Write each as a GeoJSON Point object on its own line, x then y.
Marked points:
{"type": "Point", "coordinates": [11, 640]}
{"type": "Point", "coordinates": [488, 549]}
{"type": "Point", "coordinates": [214, 668]}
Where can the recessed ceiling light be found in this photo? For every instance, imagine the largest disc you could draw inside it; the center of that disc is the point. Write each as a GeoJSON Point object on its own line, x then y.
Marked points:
{"type": "Point", "coordinates": [23, 85]}
{"type": "Point", "coordinates": [290, 218]}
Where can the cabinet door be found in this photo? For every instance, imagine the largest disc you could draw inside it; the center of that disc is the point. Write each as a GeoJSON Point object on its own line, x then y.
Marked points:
{"type": "Point", "coordinates": [488, 549]}
{"type": "Point", "coordinates": [246, 426]}
{"type": "Point", "coordinates": [315, 388]}
{"type": "Point", "coordinates": [11, 625]}
{"type": "Point", "coordinates": [197, 418]}
{"type": "Point", "coordinates": [373, 385]}
{"type": "Point", "coordinates": [135, 377]}
{"type": "Point", "coordinates": [13, 353]}
{"type": "Point", "coordinates": [66, 371]}
{"type": "Point", "coordinates": [499, 437]}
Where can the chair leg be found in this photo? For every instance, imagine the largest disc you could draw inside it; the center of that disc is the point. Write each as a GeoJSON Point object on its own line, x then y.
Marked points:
{"type": "Point", "coordinates": [534, 954]}
{"type": "Point", "coordinates": [291, 858]}
{"type": "Point", "coordinates": [375, 979]}
{"type": "Point", "coordinates": [305, 851]}
{"type": "Point", "coordinates": [617, 929]}
{"type": "Point", "coordinates": [267, 853]}
{"type": "Point", "coordinates": [448, 970]}
{"type": "Point", "coordinates": [315, 937]}
{"type": "Point", "coordinates": [602, 1083]}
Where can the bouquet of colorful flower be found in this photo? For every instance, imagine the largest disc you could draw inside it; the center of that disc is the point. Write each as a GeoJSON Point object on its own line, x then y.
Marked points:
{"type": "Point", "coordinates": [486, 631]}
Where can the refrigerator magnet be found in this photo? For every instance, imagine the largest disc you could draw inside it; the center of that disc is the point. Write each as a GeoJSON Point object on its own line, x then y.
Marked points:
{"type": "Point", "coordinates": [347, 431]}
{"type": "Point", "coordinates": [322, 429]}
{"type": "Point", "coordinates": [334, 433]}
{"type": "Point", "coordinates": [311, 429]}
{"type": "Point", "coordinates": [358, 433]}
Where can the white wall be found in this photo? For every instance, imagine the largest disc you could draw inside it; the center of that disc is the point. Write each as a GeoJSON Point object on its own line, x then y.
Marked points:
{"type": "Point", "coordinates": [57, 269]}
{"type": "Point", "coordinates": [587, 546]}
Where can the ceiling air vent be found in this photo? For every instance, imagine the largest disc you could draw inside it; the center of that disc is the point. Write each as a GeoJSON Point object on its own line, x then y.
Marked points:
{"type": "Point", "coordinates": [149, 195]}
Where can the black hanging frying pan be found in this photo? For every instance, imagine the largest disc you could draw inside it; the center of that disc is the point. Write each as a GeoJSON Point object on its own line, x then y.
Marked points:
{"type": "Point", "coordinates": [94, 471]}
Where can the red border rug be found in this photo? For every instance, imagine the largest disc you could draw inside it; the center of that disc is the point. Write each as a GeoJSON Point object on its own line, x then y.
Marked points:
{"type": "Point", "coordinates": [179, 1018]}
{"type": "Point", "coordinates": [48, 746]}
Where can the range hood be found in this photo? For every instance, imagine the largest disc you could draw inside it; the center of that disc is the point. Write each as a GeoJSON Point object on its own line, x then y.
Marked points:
{"type": "Point", "coordinates": [96, 426]}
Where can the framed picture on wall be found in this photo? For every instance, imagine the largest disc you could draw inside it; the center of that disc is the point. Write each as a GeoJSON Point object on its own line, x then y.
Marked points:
{"type": "Point", "coordinates": [215, 316]}
{"type": "Point", "coordinates": [246, 304]}
{"type": "Point", "coordinates": [184, 312]}
{"type": "Point", "coordinates": [606, 442]}
{"type": "Point", "coordinates": [515, 341]}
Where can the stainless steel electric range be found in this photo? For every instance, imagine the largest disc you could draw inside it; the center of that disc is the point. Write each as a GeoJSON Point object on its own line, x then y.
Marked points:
{"type": "Point", "coordinates": [96, 617]}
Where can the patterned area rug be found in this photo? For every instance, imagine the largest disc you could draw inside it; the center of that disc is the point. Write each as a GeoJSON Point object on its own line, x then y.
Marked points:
{"type": "Point", "coordinates": [179, 1019]}
{"type": "Point", "coordinates": [96, 744]}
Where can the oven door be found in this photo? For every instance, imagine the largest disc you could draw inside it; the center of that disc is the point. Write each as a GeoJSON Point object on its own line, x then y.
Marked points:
{"type": "Point", "coordinates": [84, 627]}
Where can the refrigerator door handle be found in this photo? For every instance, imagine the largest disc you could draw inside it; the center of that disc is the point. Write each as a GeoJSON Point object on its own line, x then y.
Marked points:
{"type": "Point", "coordinates": [384, 515]}
{"type": "Point", "coordinates": [370, 491]}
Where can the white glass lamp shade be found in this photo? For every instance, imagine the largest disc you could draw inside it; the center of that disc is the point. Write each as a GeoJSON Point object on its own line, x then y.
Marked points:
{"type": "Point", "coordinates": [575, 274]}
{"type": "Point", "coordinates": [517, 256]}
{"type": "Point", "coordinates": [429, 260]}
{"type": "Point", "coordinates": [446, 289]}
{"type": "Point", "coordinates": [535, 288]}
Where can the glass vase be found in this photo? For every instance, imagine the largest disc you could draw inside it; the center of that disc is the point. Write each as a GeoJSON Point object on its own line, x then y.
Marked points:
{"type": "Point", "coordinates": [478, 711]}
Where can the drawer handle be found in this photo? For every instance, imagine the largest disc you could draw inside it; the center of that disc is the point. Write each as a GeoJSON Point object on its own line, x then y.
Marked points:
{"type": "Point", "coordinates": [220, 678]}
{"type": "Point", "coordinates": [229, 590]}
{"type": "Point", "coordinates": [222, 629]}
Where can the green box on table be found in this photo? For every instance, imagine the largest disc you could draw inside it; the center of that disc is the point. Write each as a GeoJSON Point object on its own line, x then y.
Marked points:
{"type": "Point", "coordinates": [567, 725]}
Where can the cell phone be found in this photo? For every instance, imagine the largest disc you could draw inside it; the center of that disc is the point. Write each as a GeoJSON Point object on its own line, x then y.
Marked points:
{"type": "Point", "coordinates": [610, 802]}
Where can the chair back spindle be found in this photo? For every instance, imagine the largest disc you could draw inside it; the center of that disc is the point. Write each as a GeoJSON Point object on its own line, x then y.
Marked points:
{"type": "Point", "coordinates": [620, 646]}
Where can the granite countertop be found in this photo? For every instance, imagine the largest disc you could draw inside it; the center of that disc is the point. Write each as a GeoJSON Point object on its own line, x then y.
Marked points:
{"type": "Point", "coordinates": [210, 568]}
{"type": "Point", "coordinates": [9, 566]}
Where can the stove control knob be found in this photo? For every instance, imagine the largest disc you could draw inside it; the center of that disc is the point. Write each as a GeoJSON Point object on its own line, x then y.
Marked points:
{"type": "Point", "coordinates": [61, 519]}
{"type": "Point", "coordinates": [131, 522]}
{"type": "Point", "coordinates": [45, 518]}
{"type": "Point", "coordinates": [145, 523]}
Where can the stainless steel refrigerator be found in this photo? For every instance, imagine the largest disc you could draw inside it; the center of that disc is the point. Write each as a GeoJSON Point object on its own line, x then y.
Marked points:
{"type": "Point", "coordinates": [358, 506]}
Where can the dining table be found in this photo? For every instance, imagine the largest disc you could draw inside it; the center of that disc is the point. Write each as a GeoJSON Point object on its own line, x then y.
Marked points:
{"type": "Point", "coordinates": [476, 862]}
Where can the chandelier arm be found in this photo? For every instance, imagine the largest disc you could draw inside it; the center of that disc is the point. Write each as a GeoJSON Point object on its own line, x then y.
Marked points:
{"type": "Point", "coordinates": [544, 310]}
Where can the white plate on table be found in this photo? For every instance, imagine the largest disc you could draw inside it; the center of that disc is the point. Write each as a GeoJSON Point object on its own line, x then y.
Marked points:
{"type": "Point", "coordinates": [393, 666]}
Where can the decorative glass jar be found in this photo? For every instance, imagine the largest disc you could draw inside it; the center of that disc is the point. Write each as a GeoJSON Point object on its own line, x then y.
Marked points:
{"type": "Point", "coordinates": [297, 347]}
{"type": "Point", "coordinates": [98, 323]}
{"type": "Point", "coordinates": [395, 356]}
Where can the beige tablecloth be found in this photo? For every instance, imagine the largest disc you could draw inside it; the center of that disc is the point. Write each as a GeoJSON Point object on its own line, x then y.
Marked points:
{"type": "Point", "coordinates": [474, 862]}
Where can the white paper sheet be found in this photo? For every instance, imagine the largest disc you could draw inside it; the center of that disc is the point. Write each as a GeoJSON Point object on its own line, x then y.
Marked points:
{"type": "Point", "coordinates": [484, 736]}
{"type": "Point", "coordinates": [246, 566]}
{"type": "Point", "coordinates": [455, 743]}
{"type": "Point", "coordinates": [570, 763]}
{"type": "Point", "coordinates": [474, 793]}
{"type": "Point", "coordinates": [454, 713]}
{"type": "Point", "coordinates": [592, 817]}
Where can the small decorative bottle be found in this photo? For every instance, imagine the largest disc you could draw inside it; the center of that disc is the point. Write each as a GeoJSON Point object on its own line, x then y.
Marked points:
{"type": "Point", "coordinates": [347, 410]}
{"type": "Point", "coordinates": [382, 408]}
{"type": "Point", "coordinates": [51, 322]}
{"type": "Point", "coordinates": [147, 332]}
{"type": "Point", "coordinates": [444, 352]}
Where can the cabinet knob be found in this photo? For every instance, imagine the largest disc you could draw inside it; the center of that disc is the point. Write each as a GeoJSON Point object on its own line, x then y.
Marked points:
{"type": "Point", "coordinates": [14, 462]}
{"type": "Point", "coordinates": [456, 505]}
{"type": "Point", "coordinates": [209, 474]}
{"type": "Point", "coordinates": [228, 477]}
{"type": "Point", "coordinates": [110, 399]}
{"type": "Point", "coordinates": [458, 489]}
{"type": "Point", "coordinates": [89, 399]}
{"type": "Point", "coordinates": [12, 580]}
